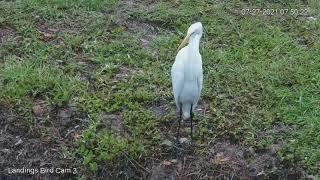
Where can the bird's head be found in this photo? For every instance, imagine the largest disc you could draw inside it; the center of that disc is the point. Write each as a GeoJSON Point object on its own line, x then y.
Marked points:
{"type": "Point", "coordinates": [193, 31]}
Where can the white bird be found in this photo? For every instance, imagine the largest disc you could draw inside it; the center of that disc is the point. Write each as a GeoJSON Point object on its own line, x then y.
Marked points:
{"type": "Point", "coordinates": [187, 75]}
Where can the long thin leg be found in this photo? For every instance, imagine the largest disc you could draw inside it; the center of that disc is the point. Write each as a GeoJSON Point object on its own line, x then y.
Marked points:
{"type": "Point", "coordinates": [191, 116]}
{"type": "Point", "coordinates": [178, 135]}
{"type": "Point", "coordinates": [180, 118]}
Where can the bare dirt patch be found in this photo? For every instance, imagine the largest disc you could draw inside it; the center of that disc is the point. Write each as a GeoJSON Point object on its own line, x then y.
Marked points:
{"type": "Point", "coordinates": [46, 31]}
{"type": "Point", "coordinates": [160, 110]}
{"type": "Point", "coordinates": [85, 61]}
{"type": "Point", "coordinates": [221, 160]}
{"type": "Point", "coordinates": [138, 4]}
{"type": "Point", "coordinates": [7, 32]}
{"type": "Point", "coordinates": [165, 170]}
{"type": "Point", "coordinates": [114, 123]}
{"type": "Point", "coordinates": [9, 39]}
{"type": "Point", "coordinates": [50, 31]}
{"type": "Point", "coordinates": [124, 74]}
{"type": "Point", "coordinates": [39, 146]}
{"type": "Point", "coordinates": [147, 31]}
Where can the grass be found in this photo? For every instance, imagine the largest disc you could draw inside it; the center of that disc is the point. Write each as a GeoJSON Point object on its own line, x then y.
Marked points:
{"type": "Point", "coordinates": [27, 78]}
{"type": "Point", "coordinates": [259, 72]}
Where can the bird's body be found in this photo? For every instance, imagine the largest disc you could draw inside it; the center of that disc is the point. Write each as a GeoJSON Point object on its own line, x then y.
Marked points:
{"type": "Point", "coordinates": [186, 73]}
{"type": "Point", "coordinates": [187, 79]}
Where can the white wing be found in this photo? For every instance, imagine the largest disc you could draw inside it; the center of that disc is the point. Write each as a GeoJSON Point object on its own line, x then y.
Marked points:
{"type": "Point", "coordinates": [200, 77]}
{"type": "Point", "coordinates": [199, 74]}
{"type": "Point", "coordinates": [177, 75]}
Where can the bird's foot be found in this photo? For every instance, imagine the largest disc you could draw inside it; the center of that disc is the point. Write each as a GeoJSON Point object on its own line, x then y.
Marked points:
{"type": "Point", "coordinates": [193, 143]}
{"type": "Point", "coordinates": [177, 140]}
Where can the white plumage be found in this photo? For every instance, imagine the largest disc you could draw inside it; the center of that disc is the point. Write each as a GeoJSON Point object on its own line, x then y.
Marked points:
{"type": "Point", "coordinates": [186, 72]}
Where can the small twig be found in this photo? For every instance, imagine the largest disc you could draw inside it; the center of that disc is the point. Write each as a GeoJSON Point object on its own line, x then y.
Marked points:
{"type": "Point", "coordinates": [135, 162]}
{"type": "Point", "coordinates": [82, 120]}
{"type": "Point", "coordinates": [69, 132]}
{"type": "Point", "coordinates": [193, 173]}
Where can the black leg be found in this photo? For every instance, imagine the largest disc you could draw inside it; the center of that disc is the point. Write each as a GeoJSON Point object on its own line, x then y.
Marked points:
{"type": "Point", "coordinates": [191, 115]}
{"type": "Point", "coordinates": [180, 118]}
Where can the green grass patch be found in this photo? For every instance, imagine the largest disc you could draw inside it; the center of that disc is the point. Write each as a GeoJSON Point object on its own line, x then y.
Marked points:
{"type": "Point", "coordinates": [26, 78]}
{"type": "Point", "coordinates": [259, 71]}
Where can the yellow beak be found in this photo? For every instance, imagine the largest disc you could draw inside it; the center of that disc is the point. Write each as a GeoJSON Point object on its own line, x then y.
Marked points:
{"type": "Point", "coordinates": [183, 43]}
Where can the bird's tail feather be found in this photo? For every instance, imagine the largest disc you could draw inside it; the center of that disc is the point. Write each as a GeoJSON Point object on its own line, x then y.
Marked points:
{"type": "Point", "coordinates": [186, 115]}
{"type": "Point", "coordinates": [186, 111]}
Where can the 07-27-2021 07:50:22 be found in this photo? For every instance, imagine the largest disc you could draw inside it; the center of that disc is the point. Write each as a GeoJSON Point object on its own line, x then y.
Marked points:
{"type": "Point", "coordinates": [271, 12]}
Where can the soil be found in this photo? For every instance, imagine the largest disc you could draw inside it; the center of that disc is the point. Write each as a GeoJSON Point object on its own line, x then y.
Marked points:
{"type": "Point", "coordinates": [39, 143]}
{"type": "Point", "coordinates": [222, 160]}
{"type": "Point", "coordinates": [33, 147]}
{"type": "Point", "coordinates": [6, 32]}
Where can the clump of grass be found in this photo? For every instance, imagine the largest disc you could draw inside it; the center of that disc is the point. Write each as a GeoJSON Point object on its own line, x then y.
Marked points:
{"type": "Point", "coordinates": [66, 4]}
{"type": "Point", "coordinates": [28, 78]}
{"type": "Point", "coordinates": [259, 71]}
{"type": "Point", "coordinates": [97, 148]}
{"type": "Point", "coordinates": [104, 146]}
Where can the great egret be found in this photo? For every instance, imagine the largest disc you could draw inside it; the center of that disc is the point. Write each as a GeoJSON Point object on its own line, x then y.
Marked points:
{"type": "Point", "coordinates": [187, 75]}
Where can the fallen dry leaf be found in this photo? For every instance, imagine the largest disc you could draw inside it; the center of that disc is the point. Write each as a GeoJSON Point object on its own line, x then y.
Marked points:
{"type": "Point", "coordinates": [166, 163]}
{"type": "Point", "coordinates": [220, 159]}
{"type": "Point", "coordinates": [39, 109]}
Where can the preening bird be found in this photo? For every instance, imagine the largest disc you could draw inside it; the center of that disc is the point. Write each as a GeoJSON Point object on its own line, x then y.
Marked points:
{"type": "Point", "coordinates": [187, 75]}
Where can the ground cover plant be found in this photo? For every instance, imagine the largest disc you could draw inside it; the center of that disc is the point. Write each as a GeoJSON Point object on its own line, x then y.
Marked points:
{"type": "Point", "coordinates": [85, 86]}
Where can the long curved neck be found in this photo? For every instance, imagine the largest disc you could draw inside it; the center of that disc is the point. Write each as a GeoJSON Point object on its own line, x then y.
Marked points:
{"type": "Point", "coordinates": [193, 50]}
{"type": "Point", "coordinates": [194, 43]}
